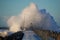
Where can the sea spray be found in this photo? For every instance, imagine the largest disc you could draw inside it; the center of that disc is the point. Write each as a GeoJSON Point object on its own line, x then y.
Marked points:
{"type": "Point", "coordinates": [32, 17]}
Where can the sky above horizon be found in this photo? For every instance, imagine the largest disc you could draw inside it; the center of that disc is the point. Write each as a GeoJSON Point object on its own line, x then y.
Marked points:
{"type": "Point", "coordinates": [14, 7]}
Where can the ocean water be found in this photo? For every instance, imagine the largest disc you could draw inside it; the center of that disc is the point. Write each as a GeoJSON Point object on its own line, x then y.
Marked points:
{"type": "Point", "coordinates": [29, 35]}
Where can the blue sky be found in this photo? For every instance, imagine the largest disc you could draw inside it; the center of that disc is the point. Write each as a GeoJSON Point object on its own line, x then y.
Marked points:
{"type": "Point", "coordinates": [14, 7]}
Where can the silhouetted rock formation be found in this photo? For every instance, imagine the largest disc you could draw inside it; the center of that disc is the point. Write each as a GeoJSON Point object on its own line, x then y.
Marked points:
{"type": "Point", "coordinates": [1, 38]}
{"type": "Point", "coordinates": [16, 36]}
{"type": "Point", "coordinates": [45, 34]}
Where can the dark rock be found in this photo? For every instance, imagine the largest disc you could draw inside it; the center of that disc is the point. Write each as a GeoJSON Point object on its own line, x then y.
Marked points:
{"type": "Point", "coordinates": [16, 36]}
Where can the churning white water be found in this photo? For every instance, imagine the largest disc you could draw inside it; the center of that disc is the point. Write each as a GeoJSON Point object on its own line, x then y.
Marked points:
{"type": "Point", "coordinates": [32, 17]}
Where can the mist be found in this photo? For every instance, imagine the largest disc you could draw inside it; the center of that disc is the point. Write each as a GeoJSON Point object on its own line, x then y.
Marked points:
{"type": "Point", "coordinates": [32, 18]}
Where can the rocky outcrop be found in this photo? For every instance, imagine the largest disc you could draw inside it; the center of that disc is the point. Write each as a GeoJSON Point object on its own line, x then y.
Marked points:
{"type": "Point", "coordinates": [46, 34]}
{"type": "Point", "coordinates": [16, 36]}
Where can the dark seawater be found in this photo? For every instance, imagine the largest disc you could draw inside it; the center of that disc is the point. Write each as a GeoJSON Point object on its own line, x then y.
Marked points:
{"type": "Point", "coordinates": [29, 35]}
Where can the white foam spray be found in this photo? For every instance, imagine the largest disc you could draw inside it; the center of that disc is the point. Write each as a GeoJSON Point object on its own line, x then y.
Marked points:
{"type": "Point", "coordinates": [31, 17]}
